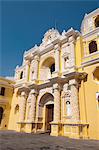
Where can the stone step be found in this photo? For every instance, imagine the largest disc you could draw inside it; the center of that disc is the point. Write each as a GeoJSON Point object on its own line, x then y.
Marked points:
{"type": "Point", "coordinates": [42, 132]}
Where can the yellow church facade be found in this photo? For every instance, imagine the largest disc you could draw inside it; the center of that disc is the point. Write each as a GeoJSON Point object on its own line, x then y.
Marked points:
{"type": "Point", "coordinates": [56, 88]}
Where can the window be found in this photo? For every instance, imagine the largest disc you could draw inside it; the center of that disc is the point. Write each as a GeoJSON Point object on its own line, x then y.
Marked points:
{"type": "Point", "coordinates": [52, 68]}
{"type": "Point", "coordinates": [32, 74]}
{"type": "Point", "coordinates": [97, 21]}
{"type": "Point", "coordinates": [92, 47]}
{"type": "Point", "coordinates": [1, 114]}
{"type": "Point", "coordinates": [96, 74]}
{"type": "Point", "coordinates": [17, 109]}
{"type": "Point", "coordinates": [2, 91]}
{"type": "Point", "coordinates": [21, 75]}
{"type": "Point", "coordinates": [97, 98]}
{"type": "Point", "coordinates": [66, 62]}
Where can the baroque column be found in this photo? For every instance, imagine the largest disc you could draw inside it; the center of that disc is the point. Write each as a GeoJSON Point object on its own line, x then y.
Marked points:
{"type": "Point", "coordinates": [23, 106]}
{"type": "Point", "coordinates": [56, 103]}
{"type": "Point", "coordinates": [74, 101]}
{"type": "Point", "coordinates": [36, 63]}
{"type": "Point", "coordinates": [57, 58]}
{"type": "Point", "coordinates": [33, 105]}
{"type": "Point", "coordinates": [27, 70]}
{"type": "Point", "coordinates": [72, 50]}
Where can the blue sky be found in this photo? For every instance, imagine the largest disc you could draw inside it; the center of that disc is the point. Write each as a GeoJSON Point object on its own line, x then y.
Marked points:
{"type": "Point", "coordinates": [23, 24]}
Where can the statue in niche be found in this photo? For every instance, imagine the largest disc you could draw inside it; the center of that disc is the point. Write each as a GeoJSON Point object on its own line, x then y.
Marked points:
{"type": "Point", "coordinates": [68, 108]}
{"type": "Point", "coordinates": [67, 95]}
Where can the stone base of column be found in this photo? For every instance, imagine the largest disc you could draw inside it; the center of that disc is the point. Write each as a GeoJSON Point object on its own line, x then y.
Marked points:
{"type": "Point", "coordinates": [21, 127]}
{"type": "Point", "coordinates": [75, 130]}
{"type": "Point", "coordinates": [55, 74]}
{"type": "Point", "coordinates": [28, 128]}
{"type": "Point", "coordinates": [54, 129]}
{"type": "Point", "coordinates": [18, 129]}
{"type": "Point", "coordinates": [34, 81]}
{"type": "Point", "coordinates": [71, 131]}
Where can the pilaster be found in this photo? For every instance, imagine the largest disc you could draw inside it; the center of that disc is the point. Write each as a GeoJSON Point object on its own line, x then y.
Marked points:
{"type": "Point", "coordinates": [72, 51]}
{"type": "Point", "coordinates": [57, 58]}
{"type": "Point", "coordinates": [74, 101]}
{"type": "Point", "coordinates": [33, 105]}
{"type": "Point", "coordinates": [56, 88]}
{"type": "Point", "coordinates": [23, 106]}
{"type": "Point", "coordinates": [36, 63]}
{"type": "Point", "coordinates": [27, 70]}
{"type": "Point", "coordinates": [56, 123]}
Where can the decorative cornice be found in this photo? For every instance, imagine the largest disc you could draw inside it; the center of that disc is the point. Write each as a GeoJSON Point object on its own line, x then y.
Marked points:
{"type": "Point", "coordinates": [23, 88]}
{"type": "Point", "coordinates": [45, 47]}
{"type": "Point", "coordinates": [7, 85]}
{"type": "Point", "coordinates": [90, 55]}
{"type": "Point", "coordinates": [95, 31]}
{"type": "Point", "coordinates": [90, 62]}
{"type": "Point", "coordinates": [20, 68]}
{"type": "Point", "coordinates": [95, 12]}
{"type": "Point", "coordinates": [4, 100]}
{"type": "Point", "coordinates": [8, 81]}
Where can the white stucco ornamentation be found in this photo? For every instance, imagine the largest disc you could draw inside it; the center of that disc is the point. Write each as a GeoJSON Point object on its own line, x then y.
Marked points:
{"type": "Point", "coordinates": [22, 106]}
{"type": "Point", "coordinates": [56, 88]}
{"type": "Point", "coordinates": [72, 51]}
{"type": "Point", "coordinates": [74, 100]}
{"type": "Point", "coordinates": [57, 58]}
{"type": "Point", "coordinates": [67, 101]}
{"type": "Point", "coordinates": [27, 64]}
{"type": "Point", "coordinates": [32, 111]}
{"type": "Point", "coordinates": [50, 35]}
{"type": "Point", "coordinates": [34, 68]}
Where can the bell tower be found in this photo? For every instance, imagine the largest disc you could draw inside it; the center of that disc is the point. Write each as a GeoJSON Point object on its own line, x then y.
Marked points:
{"type": "Point", "coordinates": [90, 33]}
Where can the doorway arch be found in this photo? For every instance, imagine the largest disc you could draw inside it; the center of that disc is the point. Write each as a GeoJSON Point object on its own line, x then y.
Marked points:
{"type": "Point", "coordinates": [46, 110]}
{"type": "Point", "coordinates": [47, 68]}
{"type": "Point", "coordinates": [16, 116]}
{"type": "Point", "coordinates": [1, 114]}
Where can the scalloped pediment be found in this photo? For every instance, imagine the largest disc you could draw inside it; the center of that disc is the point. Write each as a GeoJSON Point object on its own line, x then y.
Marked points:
{"type": "Point", "coordinates": [50, 35]}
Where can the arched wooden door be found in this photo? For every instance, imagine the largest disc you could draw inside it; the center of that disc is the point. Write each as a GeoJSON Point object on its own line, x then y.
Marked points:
{"type": "Point", "coordinates": [49, 116]}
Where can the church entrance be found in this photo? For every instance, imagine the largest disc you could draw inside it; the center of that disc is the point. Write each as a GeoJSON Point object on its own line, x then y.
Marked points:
{"type": "Point", "coordinates": [46, 111]}
{"type": "Point", "coordinates": [49, 116]}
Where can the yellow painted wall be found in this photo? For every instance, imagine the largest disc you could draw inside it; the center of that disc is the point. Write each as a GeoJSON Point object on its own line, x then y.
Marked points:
{"type": "Point", "coordinates": [88, 105]}
{"type": "Point", "coordinates": [88, 91]}
{"type": "Point", "coordinates": [78, 51]}
{"type": "Point", "coordinates": [5, 101]}
{"type": "Point", "coordinates": [13, 118]}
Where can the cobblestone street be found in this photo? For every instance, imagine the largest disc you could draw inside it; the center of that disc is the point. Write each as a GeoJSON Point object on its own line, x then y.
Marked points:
{"type": "Point", "coordinates": [22, 141]}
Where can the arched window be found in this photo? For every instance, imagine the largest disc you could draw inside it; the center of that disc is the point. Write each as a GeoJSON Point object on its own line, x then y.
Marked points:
{"type": "Point", "coordinates": [66, 61]}
{"type": "Point", "coordinates": [1, 114]}
{"type": "Point", "coordinates": [21, 75]}
{"type": "Point", "coordinates": [17, 109]}
{"type": "Point", "coordinates": [96, 73]}
{"type": "Point", "coordinates": [97, 21]}
{"type": "Point", "coordinates": [92, 47]}
{"type": "Point", "coordinates": [2, 91]}
{"type": "Point", "coordinates": [52, 68]}
{"type": "Point", "coordinates": [47, 68]}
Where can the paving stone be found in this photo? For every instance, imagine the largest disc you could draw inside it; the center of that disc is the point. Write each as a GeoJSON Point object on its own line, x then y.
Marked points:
{"type": "Point", "coordinates": [10, 140]}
